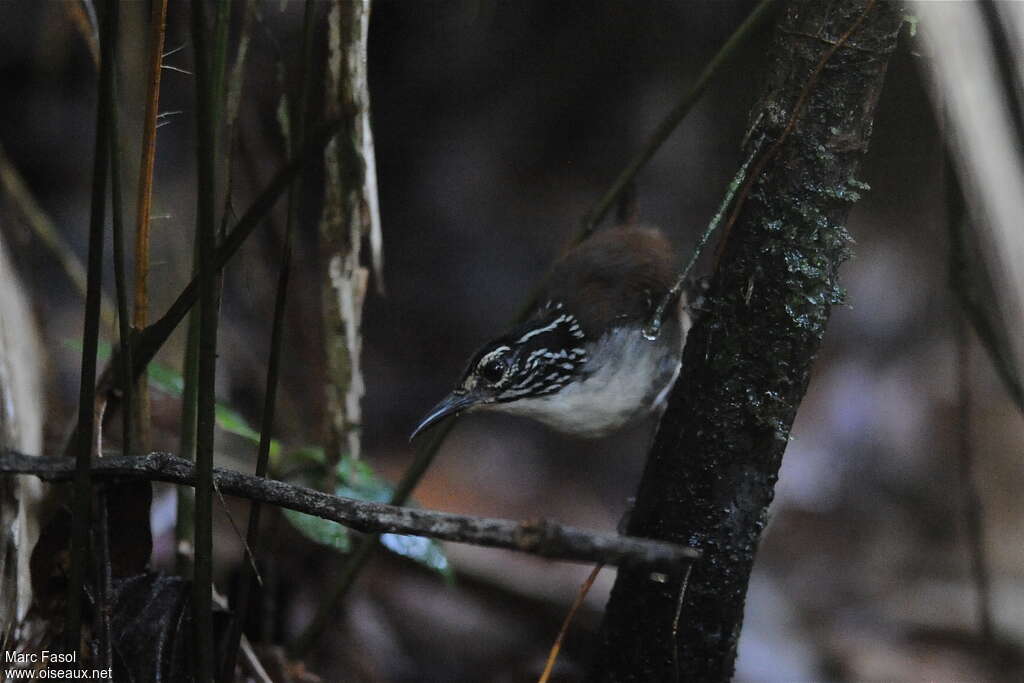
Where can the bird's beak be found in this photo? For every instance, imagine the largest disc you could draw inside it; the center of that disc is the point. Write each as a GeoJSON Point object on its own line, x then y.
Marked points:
{"type": "Point", "coordinates": [452, 404]}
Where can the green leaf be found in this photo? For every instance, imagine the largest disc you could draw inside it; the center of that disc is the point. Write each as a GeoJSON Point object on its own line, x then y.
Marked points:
{"type": "Point", "coordinates": [233, 423]}
{"type": "Point", "coordinates": [166, 380]}
{"type": "Point", "coordinates": [322, 531]}
{"type": "Point", "coordinates": [426, 551]}
{"type": "Point", "coordinates": [170, 382]}
{"type": "Point", "coordinates": [357, 479]}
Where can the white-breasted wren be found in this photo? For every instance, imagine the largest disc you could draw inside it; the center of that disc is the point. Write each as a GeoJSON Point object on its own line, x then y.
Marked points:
{"type": "Point", "coordinates": [585, 362]}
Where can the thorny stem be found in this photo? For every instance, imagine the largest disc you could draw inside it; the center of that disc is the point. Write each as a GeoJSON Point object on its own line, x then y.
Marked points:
{"type": "Point", "coordinates": [144, 206]}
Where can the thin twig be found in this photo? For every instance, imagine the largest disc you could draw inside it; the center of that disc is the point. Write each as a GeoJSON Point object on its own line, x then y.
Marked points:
{"type": "Point", "coordinates": [45, 230]}
{"type": "Point", "coordinates": [174, 50]}
{"type": "Point", "coordinates": [653, 326]}
{"type": "Point", "coordinates": [675, 621]}
{"type": "Point", "coordinates": [542, 538]}
{"type": "Point", "coordinates": [549, 665]}
{"type": "Point", "coordinates": [971, 506]}
{"type": "Point", "coordinates": [178, 69]}
{"type": "Point", "coordinates": [247, 553]}
{"type": "Point", "coordinates": [252, 662]}
{"type": "Point", "coordinates": [82, 503]}
{"type": "Point", "coordinates": [594, 217]}
{"type": "Point", "coordinates": [83, 16]}
{"type": "Point", "coordinates": [232, 102]}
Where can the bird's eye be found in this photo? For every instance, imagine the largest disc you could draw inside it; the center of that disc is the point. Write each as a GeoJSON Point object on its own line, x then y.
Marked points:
{"type": "Point", "coordinates": [493, 370]}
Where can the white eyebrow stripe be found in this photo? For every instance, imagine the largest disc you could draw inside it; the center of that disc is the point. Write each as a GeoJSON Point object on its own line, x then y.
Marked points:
{"type": "Point", "coordinates": [533, 333]}
{"type": "Point", "coordinates": [558, 321]}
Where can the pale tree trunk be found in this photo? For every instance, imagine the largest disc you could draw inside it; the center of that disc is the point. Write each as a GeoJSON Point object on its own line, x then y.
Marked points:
{"type": "Point", "coordinates": [21, 428]}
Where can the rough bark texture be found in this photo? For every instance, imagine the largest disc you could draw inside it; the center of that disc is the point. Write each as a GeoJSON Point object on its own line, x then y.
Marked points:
{"type": "Point", "coordinates": [350, 214]}
{"type": "Point", "coordinates": [536, 537]}
{"type": "Point", "coordinates": [711, 473]}
{"type": "Point", "coordinates": [21, 426]}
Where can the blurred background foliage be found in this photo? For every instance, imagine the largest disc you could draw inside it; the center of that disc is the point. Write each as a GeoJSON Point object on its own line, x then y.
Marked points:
{"type": "Point", "coordinates": [497, 125]}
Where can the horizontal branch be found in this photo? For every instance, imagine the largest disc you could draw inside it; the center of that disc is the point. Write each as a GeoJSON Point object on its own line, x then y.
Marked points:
{"type": "Point", "coordinates": [539, 537]}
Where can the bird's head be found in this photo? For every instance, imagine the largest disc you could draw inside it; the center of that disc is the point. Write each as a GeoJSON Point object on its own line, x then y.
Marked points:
{"type": "Point", "coordinates": [537, 358]}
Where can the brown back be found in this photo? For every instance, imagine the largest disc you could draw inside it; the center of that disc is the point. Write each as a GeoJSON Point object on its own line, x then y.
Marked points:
{"type": "Point", "coordinates": [616, 276]}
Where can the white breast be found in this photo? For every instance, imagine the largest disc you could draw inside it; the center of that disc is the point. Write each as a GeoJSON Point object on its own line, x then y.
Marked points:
{"type": "Point", "coordinates": [632, 378]}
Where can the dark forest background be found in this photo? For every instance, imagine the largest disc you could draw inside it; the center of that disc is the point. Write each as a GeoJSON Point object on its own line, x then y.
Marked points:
{"type": "Point", "coordinates": [497, 126]}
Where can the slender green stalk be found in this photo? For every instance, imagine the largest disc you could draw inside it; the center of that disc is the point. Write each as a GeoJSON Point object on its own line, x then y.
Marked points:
{"type": "Point", "coordinates": [187, 437]}
{"type": "Point", "coordinates": [221, 23]}
{"type": "Point", "coordinates": [186, 500]}
{"type": "Point", "coordinates": [120, 281]}
{"type": "Point", "coordinates": [298, 123]}
{"type": "Point", "coordinates": [154, 336]}
{"type": "Point", "coordinates": [368, 545]}
{"type": "Point", "coordinates": [82, 502]}
{"type": "Point", "coordinates": [102, 581]}
{"type": "Point", "coordinates": [742, 34]}
{"type": "Point", "coordinates": [202, 588]}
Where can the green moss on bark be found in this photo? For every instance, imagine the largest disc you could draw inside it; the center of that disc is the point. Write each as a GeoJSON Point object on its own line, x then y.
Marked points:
{"type": "Point", "coordinates": [711, 473]}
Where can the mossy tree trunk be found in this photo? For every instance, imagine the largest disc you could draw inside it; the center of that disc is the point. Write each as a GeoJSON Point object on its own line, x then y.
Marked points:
{"type": "Point", "coordinates": [712, 470]}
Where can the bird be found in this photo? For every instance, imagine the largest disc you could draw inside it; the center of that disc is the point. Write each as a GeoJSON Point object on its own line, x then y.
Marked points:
{"type": "Point", "coordinates": [585, 362]}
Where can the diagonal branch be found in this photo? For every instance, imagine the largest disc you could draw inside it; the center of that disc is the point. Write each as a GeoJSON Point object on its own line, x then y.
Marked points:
{"type": "Point", "coordinates": [538, 537]}
{"type": "Point", "coordinates": [146, 344]}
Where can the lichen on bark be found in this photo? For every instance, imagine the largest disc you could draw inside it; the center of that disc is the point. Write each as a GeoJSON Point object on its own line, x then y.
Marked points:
{"type": "Point", "coordinates": [350, 214]}
{"type": "Point", "coordinates": [711, 473]}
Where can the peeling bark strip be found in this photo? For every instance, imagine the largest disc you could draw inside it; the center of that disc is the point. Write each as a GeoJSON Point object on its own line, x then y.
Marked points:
{"type": "Point", "coordinates": [711, 473]}
{"type": "Point", "coordinates": [350, 213]}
